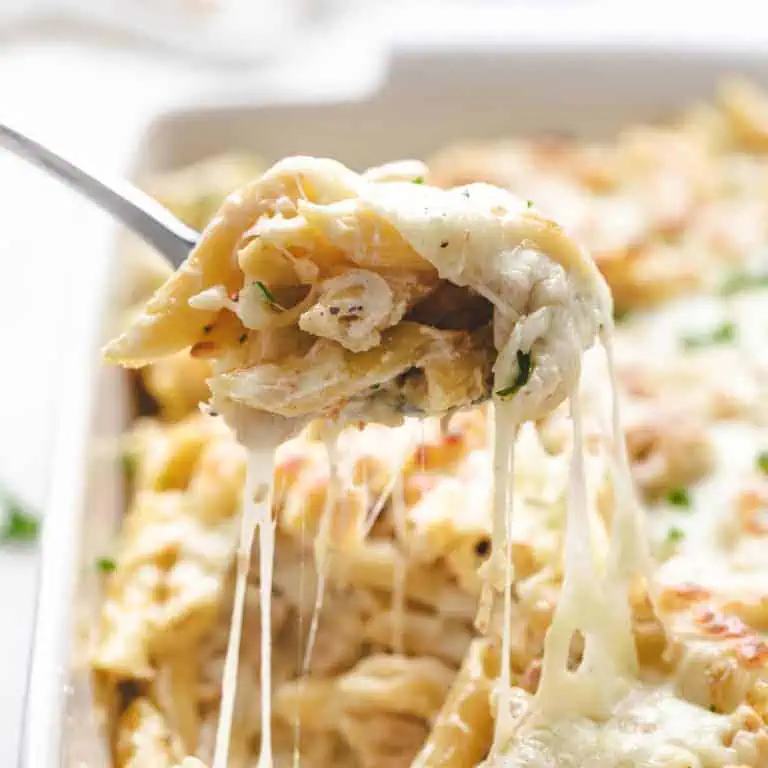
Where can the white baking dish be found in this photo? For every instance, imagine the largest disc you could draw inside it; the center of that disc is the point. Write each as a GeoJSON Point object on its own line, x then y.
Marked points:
{"type": "Point", "coordinates": [426, 98]}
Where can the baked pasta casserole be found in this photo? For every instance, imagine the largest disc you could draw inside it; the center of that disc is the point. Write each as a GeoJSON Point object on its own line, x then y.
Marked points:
{"type": "Point", "coordinates": [618, 617]}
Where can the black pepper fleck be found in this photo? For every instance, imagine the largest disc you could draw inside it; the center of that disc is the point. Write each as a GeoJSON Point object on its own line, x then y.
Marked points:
{"type": "Point", "coordinates": [242, 339]}
{"type": "Point", "coordinates": [207, 328]}
{"type": "Point", "coordinates": [483, 547]}
{"type": "Point", "coordinates": [334, 310]}
{"type": "Point", "coordinates": [444, 244]}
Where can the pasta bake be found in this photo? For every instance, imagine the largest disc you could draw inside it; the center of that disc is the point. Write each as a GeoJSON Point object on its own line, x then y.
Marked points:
{"type": "Point", "coordinates": [605, 622]}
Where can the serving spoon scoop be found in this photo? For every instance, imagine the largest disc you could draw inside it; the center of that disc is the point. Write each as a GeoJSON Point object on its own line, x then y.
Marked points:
{"type": "Point", "coordinates": [136, 210]}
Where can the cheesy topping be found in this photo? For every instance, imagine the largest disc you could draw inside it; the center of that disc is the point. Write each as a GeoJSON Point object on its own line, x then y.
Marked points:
{"type": "Point", "coordinates": [590, 656]}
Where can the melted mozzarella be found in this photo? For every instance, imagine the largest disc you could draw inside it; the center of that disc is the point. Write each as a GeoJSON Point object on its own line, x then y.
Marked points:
{"type": "Point", "coordinates": [550, 303]}
{"type": "Point", "coordinates": [549, 298]}
{"type": "Point", "coordinates": [504, 430]}
{"type": "Point", "coordinates": [330, 436]}
{"type": "Point", "coordinates": [261, 434]}
{"type": "Point", "coordinates": [650, 728]}
{"type": "Point", "coordinates": [593, 604]}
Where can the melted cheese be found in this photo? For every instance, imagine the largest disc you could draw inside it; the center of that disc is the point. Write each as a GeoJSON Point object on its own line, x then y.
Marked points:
{"type": "Point", "coordinates": [594, 600]}
{"type": "Point", "coordinates": [330, 436]}
{"type": "Point", "coordinates": [504, 430]}
{"type": "Point", "coordinates": [261, 434]}
{"type": "Point", "coordinates": [549, 305]}
{"type": "Point", "coordinates": [650, 728]}
{"type": "Point", "coordinates": [548, 296]}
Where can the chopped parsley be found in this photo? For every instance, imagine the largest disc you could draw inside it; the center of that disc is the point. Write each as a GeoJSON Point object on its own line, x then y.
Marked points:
{"type": "Point", "coordinates": [268, 295]}
{"type": "Point", "coordinates": [105, 565]}
{"type": "Point", "coordinates": [130, 463]}
{"type": "Point", "coordinates": [621, 314]}
{"type": "Point", "coordinates": [762, 462]}
{"type": "Point", "coordinates": [675, 535]}
{"type": "Point", "coordinates": [524, 366]}
{"type": "Point", "coordinates": [530, 203]}
{"type": "Point", "coordinates": [679, 497]}
{"type": "Point", "coordinates": [722, 334]}
{"type": "Point", "coordinates": [418, 180]}
{"type": "Point", "coordinates": [743, 281]}
{"type": "Point", "coordinates": [20, 525]}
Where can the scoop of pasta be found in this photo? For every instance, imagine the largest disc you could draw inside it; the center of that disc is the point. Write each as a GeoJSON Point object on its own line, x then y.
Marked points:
{"type": "Point", "coordinates": [318, 291]}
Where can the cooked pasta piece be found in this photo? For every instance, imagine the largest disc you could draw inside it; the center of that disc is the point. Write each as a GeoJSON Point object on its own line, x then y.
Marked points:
{"type": "Point", "coordinates": [401, 674]}
{"type": "Point", "coordinates": [144, 738]}
{"type": "Point", "coordinates": [178, 384]}
{"type": "Point", "coordinates": [318, 291]}
{"type": "Point", "coordinates": [177, 547]}
{"type": "Point", "coordinates": [303, 283]}
{"type": "Point", "coordinates": [463, 730]}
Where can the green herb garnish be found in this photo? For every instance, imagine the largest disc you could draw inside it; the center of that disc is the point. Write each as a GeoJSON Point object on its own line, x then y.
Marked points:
{"type": "Point", "coordinates": [620, 315]}
{"type": "Point", "coordinates": [105, 565]}
{"type": "Point", "coordinates": [679, 497]}
{"type": "Point", "coordinates": [762, 462]}
{"type": "Point", "coordinates": [130, 462]}
{"type": "Point", "coordinates": [418, 180]}
{"type": "Point", "coordinates": [269, 297]}
{"type": "Point", "coordinates": [20, 525]}
{"type": "Point", "coordinates": [675, 535]}
{"type": "Point", "coordinates": [530, 203]}
{"type": "Point", "coordinates": [722, 334]}
{"type": "Point", "coordinates": [743, 281]}
{"type": "Point", "coordinates": [524, 366]}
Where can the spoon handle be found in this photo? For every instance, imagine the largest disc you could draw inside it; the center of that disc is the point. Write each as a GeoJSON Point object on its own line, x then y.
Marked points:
{"type": "Point", "coordinates": [136, 210]}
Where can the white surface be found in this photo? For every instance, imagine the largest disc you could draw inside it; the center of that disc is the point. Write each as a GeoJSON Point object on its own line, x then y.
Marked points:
{"type": "Point", "coordinates": [91, 102]}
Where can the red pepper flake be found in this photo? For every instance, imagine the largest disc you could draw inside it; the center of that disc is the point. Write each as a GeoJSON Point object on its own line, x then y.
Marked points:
{"type": "Point", "coordinates": [752, 652]}
{"type": "Point", "coordinates": [292, 464]}
{"type": "Point", "coordinates": [417, 486]}
{"type": "Point", "coordinates": [721, 624]}
{"type": "Point", "coordinates": [421, 455]}
{"type": "Point", "coordinates": [529, 681]}
{"type": "Point", "coordinates": [682, 595]}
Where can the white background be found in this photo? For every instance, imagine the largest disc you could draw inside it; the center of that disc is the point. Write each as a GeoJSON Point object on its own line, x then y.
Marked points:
{"type": "Point", "coordinates": [90, 95]}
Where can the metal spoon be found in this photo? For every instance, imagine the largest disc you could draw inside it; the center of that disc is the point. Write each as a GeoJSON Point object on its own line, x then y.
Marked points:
{"type": "Point", "coordinates": [140, 213]}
